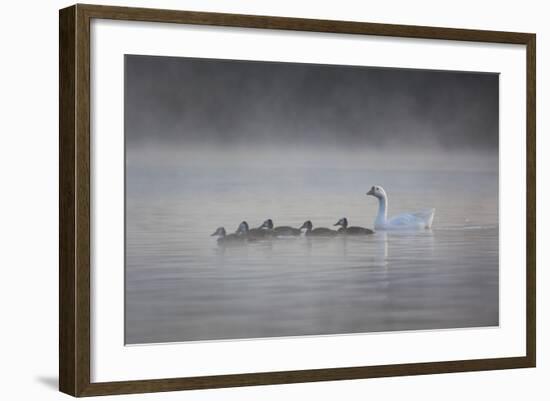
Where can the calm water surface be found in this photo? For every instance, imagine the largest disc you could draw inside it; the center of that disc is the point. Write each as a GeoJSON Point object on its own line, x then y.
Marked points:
{"type": "Point", "coordinates": [182, 286]}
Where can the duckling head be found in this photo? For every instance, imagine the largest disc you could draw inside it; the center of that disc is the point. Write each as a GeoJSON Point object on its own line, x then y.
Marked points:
{"type": "Point", "coordinates": [243, 228]}
{"type": "Point", "coordinates": [342, 222]}
{"type": "Point", "coordinates": [377, 191]}
{"type": "Point", "coordinates": [220, 231]}
{"type": "Point", "coordinates": [267, 224]}
{"type": "Point", "coordinates": [307, 225]}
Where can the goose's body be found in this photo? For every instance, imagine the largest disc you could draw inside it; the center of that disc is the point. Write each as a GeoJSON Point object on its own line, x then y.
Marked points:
{"type": "Point", "coordinates": [252, 233]}
{"type": "Point", "coordinates": [353, 230]}
{"type": "Point", "coordinates": [280, 231]}
{"type": "Point", "coordinates": [406, 221]}
{"type": "Point", "coordinates": [224, 238]}
{"type": "Point", "coordinates": [317, 232]}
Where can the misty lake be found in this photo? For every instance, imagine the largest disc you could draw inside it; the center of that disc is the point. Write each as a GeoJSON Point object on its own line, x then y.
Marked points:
{"type": "Point", "coordinates": [182, 286]}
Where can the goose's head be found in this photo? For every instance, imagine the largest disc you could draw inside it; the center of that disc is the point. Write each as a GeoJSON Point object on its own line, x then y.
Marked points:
{"type": "Point", "coordinates": [307, 225]}
{"type": "Point", "coordinates": [243, 228]}
{"type": "Point", "coordinates": [267, 224]}
{"type": "Point", "coordinates": [342, 222]}
{"type": "Point", "coordinates": [377, 191]}
{"type": "Point", "coordinates": [220, 231]}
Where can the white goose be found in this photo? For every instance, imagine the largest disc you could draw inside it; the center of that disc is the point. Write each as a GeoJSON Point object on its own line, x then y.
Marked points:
{"type": "Point", "coordinates": [405, 221]}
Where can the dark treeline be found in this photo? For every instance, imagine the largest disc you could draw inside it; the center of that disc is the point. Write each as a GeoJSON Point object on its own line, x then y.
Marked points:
{"type": "Point", "coordinates": [220, 102]}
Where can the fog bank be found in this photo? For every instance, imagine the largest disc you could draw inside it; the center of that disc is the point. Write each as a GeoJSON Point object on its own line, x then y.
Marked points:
{"type": "Point", "coordinates": [209, 102]}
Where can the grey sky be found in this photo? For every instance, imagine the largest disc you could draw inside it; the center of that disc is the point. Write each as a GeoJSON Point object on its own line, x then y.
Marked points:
{"type": "Point", "coordinates": [186, 101]}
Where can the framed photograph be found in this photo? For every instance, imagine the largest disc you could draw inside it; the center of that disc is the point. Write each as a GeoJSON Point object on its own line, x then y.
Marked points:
{"type": "Point", "coordinates": [250, 200]}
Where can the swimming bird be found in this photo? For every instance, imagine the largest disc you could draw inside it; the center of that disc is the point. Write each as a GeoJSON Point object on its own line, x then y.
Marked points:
{"type": "Point", "coordinates": [317, 232]}
{"type": "Point", "coordinates": [405, 221]}
{"type": "Point", "coordinates": [226, 238]}
{"type": "Point", "coordinates": [354, 230]}
{"type": "Point", "coordinates": [280, 230]}
{"type": "Point", "coordinates": [252, 233]}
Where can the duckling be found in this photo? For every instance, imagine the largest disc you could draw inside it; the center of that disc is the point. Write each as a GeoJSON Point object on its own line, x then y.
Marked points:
{"type": "Point", "coordinates": [252, 233]}
{"type": "Point", "coordinates": [281, 230]}
{"type": "Point", "coordinates": [354, 230]}
{"type": "Point", "coordinates": [317, 232]}
{"type": "Point", "coordinates": [226, 238]}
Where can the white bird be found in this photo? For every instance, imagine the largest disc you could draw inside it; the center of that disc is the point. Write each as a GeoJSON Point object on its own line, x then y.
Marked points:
{"type": "Point", "coordinates": [406, 221]}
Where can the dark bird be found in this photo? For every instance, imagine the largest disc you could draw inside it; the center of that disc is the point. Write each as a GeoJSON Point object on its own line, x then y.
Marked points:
{"type": "Point", "coordinates": [317, 232]}
{"type": "Point", "coordinates": [252, 233]}
{"type": "Point", "coordinates": [226, 238]}
{"type": "Point", "coordinates": [354, 230]}
{"type": "Point", "coordinates": [280, 230]}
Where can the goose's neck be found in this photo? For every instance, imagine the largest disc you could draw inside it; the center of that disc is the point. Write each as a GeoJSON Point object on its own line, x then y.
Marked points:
{"type": "Point", "coordinates": [382, 216]}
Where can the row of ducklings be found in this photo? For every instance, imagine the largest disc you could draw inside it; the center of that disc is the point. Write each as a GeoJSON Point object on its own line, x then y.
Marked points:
{"type": "Point", "coordinates": [268, 230]}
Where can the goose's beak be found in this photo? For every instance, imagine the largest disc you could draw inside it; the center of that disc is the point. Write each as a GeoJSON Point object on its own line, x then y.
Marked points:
{"type": "Point", "coordinates": [337, 224]}
{"type": "Point", "coordinates": [213, 234]}
{"type": "Point", "coordinates": [371, 191]}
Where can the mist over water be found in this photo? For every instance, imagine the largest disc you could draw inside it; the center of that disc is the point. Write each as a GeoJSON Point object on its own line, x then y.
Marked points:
{"type": "Point", "coordinates": [182, 286]}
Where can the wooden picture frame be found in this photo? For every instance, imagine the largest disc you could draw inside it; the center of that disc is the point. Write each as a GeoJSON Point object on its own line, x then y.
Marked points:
{"type": "Point", "coordinates": [74, 200]}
